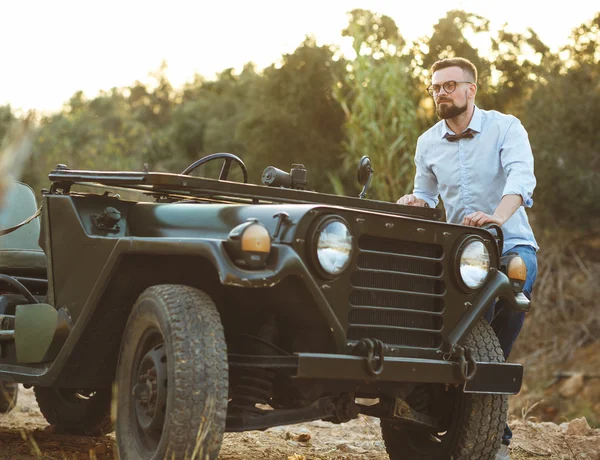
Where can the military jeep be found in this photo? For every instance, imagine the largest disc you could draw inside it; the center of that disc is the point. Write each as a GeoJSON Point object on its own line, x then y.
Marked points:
{"type": "Point", "coordinates": [209, 305]}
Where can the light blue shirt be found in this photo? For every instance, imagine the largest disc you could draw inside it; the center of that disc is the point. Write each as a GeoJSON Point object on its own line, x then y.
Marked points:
{"type": "Point", "coordinates": [474, 174]}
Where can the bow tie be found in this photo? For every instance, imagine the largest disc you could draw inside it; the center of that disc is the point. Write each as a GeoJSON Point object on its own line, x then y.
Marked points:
{"type": "Point", "coordinates": [468, 134]}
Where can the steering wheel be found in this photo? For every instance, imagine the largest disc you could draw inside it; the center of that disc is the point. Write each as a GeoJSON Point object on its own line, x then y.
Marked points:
{"type": "Point", "coordinates": [229, 157]}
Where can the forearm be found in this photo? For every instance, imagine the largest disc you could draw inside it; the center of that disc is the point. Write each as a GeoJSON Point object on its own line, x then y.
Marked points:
{"type": "Point", "coordinates": [517, 163]}
{"type": "Point", "coordinates": [426, 186]}
{"type": "Point", "coordinates": [507, 207]}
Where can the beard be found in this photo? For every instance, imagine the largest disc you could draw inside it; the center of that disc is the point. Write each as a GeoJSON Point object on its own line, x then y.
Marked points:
{"type": "Point", "coordinates": [449, 110]}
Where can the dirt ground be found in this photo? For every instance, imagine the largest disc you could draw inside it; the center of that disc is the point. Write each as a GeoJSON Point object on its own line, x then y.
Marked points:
{"type": "Point", "coordinates": [24, 434]}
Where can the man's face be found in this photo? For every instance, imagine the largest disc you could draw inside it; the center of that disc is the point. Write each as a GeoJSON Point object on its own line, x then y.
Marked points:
{"type": "Point", "coordinates": [450, 105]}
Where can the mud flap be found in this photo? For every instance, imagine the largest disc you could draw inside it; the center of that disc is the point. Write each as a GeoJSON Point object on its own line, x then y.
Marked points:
{"type": "Point", "coordinates": [40, 331]}
{"type": "Point", "coordinates": [496, 378]}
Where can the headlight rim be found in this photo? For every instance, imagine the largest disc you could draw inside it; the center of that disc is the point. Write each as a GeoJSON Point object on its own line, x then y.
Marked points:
{"type": "Point", "coordinates": [321, 223]}
{"type": "Point", "coordinates": [458, 253]}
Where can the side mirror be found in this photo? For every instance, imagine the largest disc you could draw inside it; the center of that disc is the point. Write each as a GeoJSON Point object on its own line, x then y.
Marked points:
{"type": "Point", "coordinates": [365, 172]}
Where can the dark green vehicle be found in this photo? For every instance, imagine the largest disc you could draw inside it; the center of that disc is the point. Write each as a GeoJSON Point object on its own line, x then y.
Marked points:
{"type": "Point", "coordinates": [211, 305]}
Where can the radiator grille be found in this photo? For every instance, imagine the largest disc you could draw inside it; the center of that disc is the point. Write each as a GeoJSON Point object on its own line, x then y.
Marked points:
{"type": "Point", "coordinates": [397, 293]}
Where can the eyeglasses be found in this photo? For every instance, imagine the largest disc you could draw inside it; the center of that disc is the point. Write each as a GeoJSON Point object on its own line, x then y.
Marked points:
{"type": "Point", "coordinates": [449, 87]}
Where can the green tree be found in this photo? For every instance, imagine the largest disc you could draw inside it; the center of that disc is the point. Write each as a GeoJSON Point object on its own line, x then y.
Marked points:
{"type": "Point", "coordinates": [562, 117]}
{"type": "Point", "coordinates": [203, 121]}
{"type": "Point", "coordinates": [293, 116]}
{"type": "Point", "coordinates": [449, 39]}
{"type": "Point", "coordinates": [100, 133]}
{"type": "Point", "coordinates": [516, 62]}
{"type": "Point", "coordinates": [6, 120]}
{"type": "Point", "coordinates": [373, 34]}
{"type": "Point", "coordinates": [508, 74]}
{"type": "Point", "coordinates": [377, 94]}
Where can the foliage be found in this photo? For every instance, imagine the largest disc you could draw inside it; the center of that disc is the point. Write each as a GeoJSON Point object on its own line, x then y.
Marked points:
{"type": "Point", "coordinates": [566, 306]}
{"type": "Point", "coordinates": [508, 69]}
{"type": "Point", "coordinates": [562, 118]}
{"type": "Point", "coordinates": [204, 121]}
{"type": "Point", "coordinates": [373, 34]}
{"type": "Point", "coordinates": [6, 119]}
{"type": "Point", "coordinates": [316, 108]}
{"type": "Point", "coordinates": [381, 114]}
{"type": "Point", "coordinates": [584, 47]}
{"type": "Point", "coordinates": [101, 133]}
{"type": "Point", "coordinates": [294, 117]}
{"type": "Point", "coordinates": [449, 40]}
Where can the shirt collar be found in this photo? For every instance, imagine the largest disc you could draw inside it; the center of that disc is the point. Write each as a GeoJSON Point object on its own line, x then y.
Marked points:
{"type": "Point", "coordinates": [475, 123]}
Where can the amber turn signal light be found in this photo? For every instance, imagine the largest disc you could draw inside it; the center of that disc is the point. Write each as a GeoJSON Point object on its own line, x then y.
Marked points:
{"type": "Point", "coordinates": [249, 244]}
{"type": "Point", "coordinates": [256, 238]}
{"type": "Point", "coordinates": [517, 270]}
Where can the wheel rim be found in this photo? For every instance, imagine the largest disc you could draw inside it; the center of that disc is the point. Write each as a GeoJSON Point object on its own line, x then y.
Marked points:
{"type": "Point", "coordinates": [148, 390]}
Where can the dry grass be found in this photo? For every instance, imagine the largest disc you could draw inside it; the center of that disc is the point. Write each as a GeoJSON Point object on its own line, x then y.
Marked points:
{"type": "Point", "coordinates": [565, 312]}
{"type": "Point", "coordinates": [561, 335]}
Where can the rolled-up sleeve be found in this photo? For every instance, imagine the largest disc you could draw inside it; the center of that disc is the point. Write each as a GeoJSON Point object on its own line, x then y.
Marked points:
{"type": "Point", "coordinates": [517, 161]}
{"type": "Point", "coordinates": [426, 186]}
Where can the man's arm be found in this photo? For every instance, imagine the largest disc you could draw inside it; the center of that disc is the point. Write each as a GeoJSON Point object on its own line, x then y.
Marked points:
{"type": "Point", "coordinates": [517, 161]}
{"type": "Point", "coordinates": [426, 186]}
{"type": "Point", "coordinates": [507, 207]}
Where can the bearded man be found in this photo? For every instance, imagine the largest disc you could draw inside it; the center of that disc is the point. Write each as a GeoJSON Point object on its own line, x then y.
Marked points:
{"type": "Point", "coordinates": [480, 163]}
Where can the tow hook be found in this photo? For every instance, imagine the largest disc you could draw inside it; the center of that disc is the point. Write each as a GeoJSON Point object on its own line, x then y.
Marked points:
{"type": "Point", "coordinates": [375, 350]}
{"type": "Point", "coordinates": [466, 362]}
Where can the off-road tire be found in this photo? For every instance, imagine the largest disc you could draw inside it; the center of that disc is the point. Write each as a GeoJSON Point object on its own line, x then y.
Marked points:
{"type": "Point", "coordinates": [73, 411]}
{"type": "Point", "coordinates": [9, 392]}
{"type": "Point", "coordinates": [477, 422]}
{"type": "Point", "coordinates": [195, 352]}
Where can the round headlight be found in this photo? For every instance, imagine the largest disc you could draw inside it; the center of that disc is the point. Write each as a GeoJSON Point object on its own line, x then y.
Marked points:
{"type": "Point", "coordinates": [474, 264]}
{"type": "Point", "coordinates": [334, 246]}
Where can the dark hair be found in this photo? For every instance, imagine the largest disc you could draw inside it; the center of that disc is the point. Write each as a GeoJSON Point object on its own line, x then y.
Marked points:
{"type": "Point", "coordinates": [463, 63]}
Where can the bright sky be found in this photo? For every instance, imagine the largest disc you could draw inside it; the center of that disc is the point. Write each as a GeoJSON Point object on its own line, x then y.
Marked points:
{"type": "Point", "coordinates": [50, 49]}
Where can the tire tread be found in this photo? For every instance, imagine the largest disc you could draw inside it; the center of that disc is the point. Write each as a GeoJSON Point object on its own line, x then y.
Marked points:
{"type": "Point", "coordinates": [196, 419]}
{"type": "Point", "coordinates": [483, 418]}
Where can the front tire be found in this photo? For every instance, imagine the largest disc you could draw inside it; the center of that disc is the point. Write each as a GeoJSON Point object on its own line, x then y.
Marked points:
{"type": "Point", "coordinates": [473, 422]}
{"type": "Point", "coordinates": [172, 377]}
{"type": "Point", "coordinates": [76, 411]}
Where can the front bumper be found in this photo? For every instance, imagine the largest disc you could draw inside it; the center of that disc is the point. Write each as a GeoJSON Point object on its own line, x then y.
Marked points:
{"type": "Point", "coordinates": [492, 378]}
{"type": "Point", "coordinates": [498, 378]}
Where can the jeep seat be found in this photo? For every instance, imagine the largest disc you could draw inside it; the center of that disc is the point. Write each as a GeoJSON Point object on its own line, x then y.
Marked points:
{"type": "Point", "coordinates": [20, 253]}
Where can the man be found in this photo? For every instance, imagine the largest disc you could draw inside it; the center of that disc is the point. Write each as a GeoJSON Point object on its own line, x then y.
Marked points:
{"type": "Point", "coordinates": [481, 164]}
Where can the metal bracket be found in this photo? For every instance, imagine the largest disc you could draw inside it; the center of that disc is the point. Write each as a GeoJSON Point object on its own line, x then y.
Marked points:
{"type": "Point", "coordinates": [284, 218]}
{"type": "Point", "coordinates": [403, 411]}
{"type": "Point", "coordinates": [108, 220]}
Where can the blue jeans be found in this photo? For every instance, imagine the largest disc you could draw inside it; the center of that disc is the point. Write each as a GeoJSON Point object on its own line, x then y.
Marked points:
{"type": "Point", "coordinates": [506, 322]}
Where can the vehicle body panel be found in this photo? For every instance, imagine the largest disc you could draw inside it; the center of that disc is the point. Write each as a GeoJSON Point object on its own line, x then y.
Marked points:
{"type": "Point", "coordinates": [401, 286]}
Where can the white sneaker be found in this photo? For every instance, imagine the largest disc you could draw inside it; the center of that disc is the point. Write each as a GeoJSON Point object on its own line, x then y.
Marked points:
{"type": "Point", "coordinates": [503, 453]}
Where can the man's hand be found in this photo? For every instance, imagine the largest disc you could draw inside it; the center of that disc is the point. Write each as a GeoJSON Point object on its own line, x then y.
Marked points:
{"type": "Point", "coordinates": [478, 219]}
{"type": "Point", "coordinates": [411, 200]}
{"type": "Point", "coordinates": [507, 207]}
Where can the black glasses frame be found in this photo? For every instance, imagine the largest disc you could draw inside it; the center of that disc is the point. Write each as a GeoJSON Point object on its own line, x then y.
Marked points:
{"type": "Point", "coordinates": [449, 86]}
